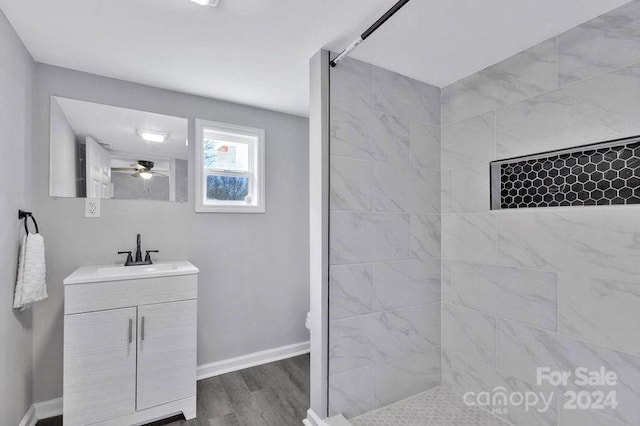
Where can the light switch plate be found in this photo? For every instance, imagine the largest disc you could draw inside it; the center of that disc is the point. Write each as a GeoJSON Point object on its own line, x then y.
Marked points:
{"type": "Point", "coordinates": [92, 207]}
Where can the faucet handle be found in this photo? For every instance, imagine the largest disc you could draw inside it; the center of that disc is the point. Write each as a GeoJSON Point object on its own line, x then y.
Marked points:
{"type": "Point", "coordinates": [147, 258]}
{"type": "Point", "coordinates": [129, 257]}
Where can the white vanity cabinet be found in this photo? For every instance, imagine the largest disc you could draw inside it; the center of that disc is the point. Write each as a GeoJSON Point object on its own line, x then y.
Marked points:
{"type": "Point", "coordinates": [130, 344]}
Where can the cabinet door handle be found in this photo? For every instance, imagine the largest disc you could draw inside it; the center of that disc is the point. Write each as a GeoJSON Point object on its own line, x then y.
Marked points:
{"type": "Point", "coordinates": [142, 329]}
{"type": "Point", "coordinates": [130, 330]}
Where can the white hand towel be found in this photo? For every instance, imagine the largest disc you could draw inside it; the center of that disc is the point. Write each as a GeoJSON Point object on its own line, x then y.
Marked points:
{"type": "Point", "coordinates": [31, 285]}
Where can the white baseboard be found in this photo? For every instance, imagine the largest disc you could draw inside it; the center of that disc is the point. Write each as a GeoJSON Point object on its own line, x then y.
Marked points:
{"type": "Point", "coordinates": [313, 419]}
{"type": "Point", "coordinates": [42, 410]}
{"type": "Point", "coordinates": [50, 408]}
{"type": "Point", "coordinates": [251, 360]}
{"type": "Point", "coordinates": [29, 418]}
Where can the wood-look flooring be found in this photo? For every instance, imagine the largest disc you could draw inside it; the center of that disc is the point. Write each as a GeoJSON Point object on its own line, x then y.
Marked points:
{"type": "Point", "coordinates": [274, 394]}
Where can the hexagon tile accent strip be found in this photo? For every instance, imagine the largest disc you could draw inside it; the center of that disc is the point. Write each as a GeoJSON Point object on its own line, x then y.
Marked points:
{"type": "Point", "coordinates": [600, 174]}
{"type": "Point", "coordinates": [435, 407]}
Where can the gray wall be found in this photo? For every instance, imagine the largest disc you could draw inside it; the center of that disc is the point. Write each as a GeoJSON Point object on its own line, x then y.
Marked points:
{"type": "Point", "coordinates": [384, 238]}
{"type": "Point", "coordinates": [16, 104]}
{"type": "Point", "coordinates": [254, 281]}
{"type": "Point", "coordinates": [554, 287]}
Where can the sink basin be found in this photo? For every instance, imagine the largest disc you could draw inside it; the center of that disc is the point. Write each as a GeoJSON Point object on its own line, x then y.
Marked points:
{"type": "Point", "coordinates": [91, 274]}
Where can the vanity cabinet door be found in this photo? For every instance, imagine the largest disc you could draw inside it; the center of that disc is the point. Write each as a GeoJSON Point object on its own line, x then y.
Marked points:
{"type": "Point", "coordinates": [99, 365]}
{"type": "Point", "coordinates": [166, 352]}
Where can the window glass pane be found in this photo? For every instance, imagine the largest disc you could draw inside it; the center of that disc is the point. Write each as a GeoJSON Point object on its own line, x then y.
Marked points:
{"type": "Point", "coordinates": [223, 155]}
{"type": "Point", "coordinates": [227, 188]}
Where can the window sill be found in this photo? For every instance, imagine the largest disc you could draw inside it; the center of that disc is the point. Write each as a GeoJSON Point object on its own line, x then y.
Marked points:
{"type": "Point", "coordinates": [230, 209]}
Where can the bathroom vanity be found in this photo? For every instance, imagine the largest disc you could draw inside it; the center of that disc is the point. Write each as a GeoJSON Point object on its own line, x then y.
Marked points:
{"type": "Point", "coordinates": [130, 343]}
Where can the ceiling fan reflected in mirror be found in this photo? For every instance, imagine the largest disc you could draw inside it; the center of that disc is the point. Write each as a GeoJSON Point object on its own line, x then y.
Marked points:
{"type": "Point", "coordinates": [142, 169]}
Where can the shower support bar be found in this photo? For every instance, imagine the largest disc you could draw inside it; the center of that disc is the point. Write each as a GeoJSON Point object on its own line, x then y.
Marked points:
{"type": "Point", "coordinates": [396, 7]}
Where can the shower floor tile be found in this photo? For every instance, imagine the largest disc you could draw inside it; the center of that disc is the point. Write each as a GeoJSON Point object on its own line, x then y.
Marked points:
{"type": "Point", "coordinates": [435, 407]}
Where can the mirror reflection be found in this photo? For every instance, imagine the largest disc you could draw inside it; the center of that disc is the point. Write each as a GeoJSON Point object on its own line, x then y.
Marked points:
{"type": "Point", "coordinates": [102, 151]}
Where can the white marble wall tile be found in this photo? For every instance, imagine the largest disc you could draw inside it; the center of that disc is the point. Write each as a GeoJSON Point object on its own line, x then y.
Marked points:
{"type": "Point", "coordinates": [423, 191]}
{"type": "Point", "coordinates": [390, 188]}
{"type": "Point", "coordinates": [446, 368]}
{"type": "Point", "coordinates": [521, 76]}
{"type": "Point", "coordinates": [446, 280]}
{"type": "Point", "coordinates": [521, 350]}
{"type": "Point", "coordinates": [351, 345]}
{"type": "Point", "coordinates": [351, 393]}
{"type": "Point", "coordinates": [350, 290]}
{"type": "Point", "coordinates": [603, 311]}
{"type": "Point", "coordinates": [601, 242]}
{"type": "Point", "coordinates": [406, 283]}
{"type": "Point", "coordinates": [602, 44]}
{"type": "Point", "coordinates": [518, 415]}
{"type": "Point", "coordinates": [406, 189]}
{"type": "Point", "coordinates": [469, 237]}
{"type": "Point", "coordinates": [424, 234]}
{"type": "Point", "coordinates": [406, 376]}
{"type": "Point", "coordinates": [385, 146]}
{"type": "Point", "coordinates": [384, 336]}
{"type": "Point", "coordinates": [352, 83]}
{"type": "Point", "coordinates": [470, 188]}
{"type": "Point", "coordinates": [351, 184]}
{"type": "Point", "coordinates": [446, 191]}
{"type": "Point", "coordinates": [528, 239]}
{"type": "Point", "coordinates": [472, 375]}
{"type": "Point", "coordinates": [594, 110]}
{"type": "Point", "coordinates": [468, 142]}
{"type": "Point", "coordinates": [362, 133]}
{"type": "Point", "coordinates": [573, 417]}
{"type": "Point", "coordinates": [469, 332]}
{"type": "Point", "coordinates": [399, 95]}
{"type": "Point", "coordinates": [368, 237]}
{"type": "Point", "coordinates": [424, 143]}
{"type": "Point", "coordinates": [510, 293]}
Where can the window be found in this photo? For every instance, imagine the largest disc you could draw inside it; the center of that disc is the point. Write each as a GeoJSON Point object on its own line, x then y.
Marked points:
{"type": "Point", "coordinates": [229, 168]}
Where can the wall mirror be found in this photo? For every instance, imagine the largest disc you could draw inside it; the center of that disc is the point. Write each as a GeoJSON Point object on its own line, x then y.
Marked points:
{"type": "Point", "coordinates": [102, 151]}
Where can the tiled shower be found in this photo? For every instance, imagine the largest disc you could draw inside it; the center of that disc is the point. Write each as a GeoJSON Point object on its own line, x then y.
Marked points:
{"type": "Point", "coordinates": [431, 287]}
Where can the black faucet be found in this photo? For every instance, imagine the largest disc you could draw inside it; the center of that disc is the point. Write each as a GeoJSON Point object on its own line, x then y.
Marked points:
{"type": "Point", "coordinates": [138, 261]}
{"type": "Point", "coordinates": [138, 252]}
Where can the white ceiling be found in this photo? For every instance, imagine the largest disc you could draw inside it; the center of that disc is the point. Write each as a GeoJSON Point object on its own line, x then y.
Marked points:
{"type": "Point", "coordinates": [117, 128]}
{"type": "Point", "coordinates": [256, 52]}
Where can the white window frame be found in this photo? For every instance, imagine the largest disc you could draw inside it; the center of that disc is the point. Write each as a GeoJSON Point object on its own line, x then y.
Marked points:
{"type": "Point", "coordinates": [256, 172]}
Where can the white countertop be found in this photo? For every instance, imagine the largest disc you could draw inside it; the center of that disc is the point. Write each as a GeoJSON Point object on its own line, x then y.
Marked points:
{"type": "Point", "coordinates": [94, 274]}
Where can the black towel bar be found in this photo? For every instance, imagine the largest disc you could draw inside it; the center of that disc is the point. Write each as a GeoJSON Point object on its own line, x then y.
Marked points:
{"type": "Point", "coordinates": [25, 215]}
